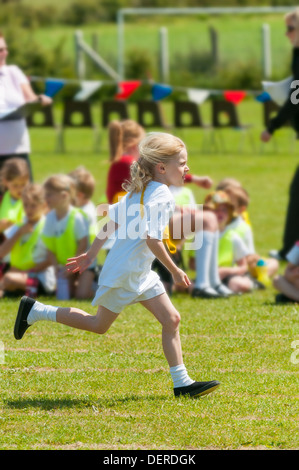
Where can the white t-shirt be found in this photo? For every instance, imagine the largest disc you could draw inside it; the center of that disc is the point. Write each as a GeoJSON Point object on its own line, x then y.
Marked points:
{"type": "Point", "coordinates": [293, 254]}
{"type": "Point", "coordinates": [14, 135]}
{"type": "Point", "coordinates": [247, 233]}
{"type": "Point", "coordinates": [90, 210]}
{"type": "Point", "coordinates": [54, 227]}
{"type": "Point", "coordinates": [128, 263]}
{"type": "Point", "coordinates": [240, 250]}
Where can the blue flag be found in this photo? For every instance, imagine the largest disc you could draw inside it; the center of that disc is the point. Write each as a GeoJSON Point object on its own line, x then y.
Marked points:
{"type": "Point", "coordinates": [53, 86]}
{"type": "Point", "coordinates": [161, 91]}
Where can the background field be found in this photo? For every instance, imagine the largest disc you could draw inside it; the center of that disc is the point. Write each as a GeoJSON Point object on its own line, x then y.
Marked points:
{"type": "Point", "coordinates": [67, 389]}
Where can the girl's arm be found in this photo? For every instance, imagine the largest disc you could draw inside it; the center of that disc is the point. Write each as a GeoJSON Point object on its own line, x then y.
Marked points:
{"type": "Point", "coordinates": [158, 248]}
{"type": "Point", "coordinates": [82, 246]}
{"type": "Point", "coordinates": [80, 263]}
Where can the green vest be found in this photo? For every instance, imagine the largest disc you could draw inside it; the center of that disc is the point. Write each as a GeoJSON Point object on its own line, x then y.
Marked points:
{"type": "Point", "coordinates": [64, 246]}
{"type": "Point", "coordinates": [21, 255]}
{"type": "Point", "coordinates": [12, 211]}
{"type": "Point", "coordinates": [225, 250]}
{"type": "Point", "coordinates": [183, 197]}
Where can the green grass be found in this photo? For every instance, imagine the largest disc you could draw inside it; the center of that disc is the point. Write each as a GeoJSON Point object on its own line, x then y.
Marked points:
{"type": "Point", "coordinates": [69, 389]}
{"type": "Point", "coordinates": [239, 40]}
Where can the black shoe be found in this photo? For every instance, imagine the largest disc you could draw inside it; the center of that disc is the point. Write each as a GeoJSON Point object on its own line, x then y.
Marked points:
{"type": "Point", "coordinates": [21, 324]}
{"type": "Point", "coordinates": [197, 389]}
{"type": "Point", "coordinates": [205, 293]}
{"type": "Point", "coordinates": [283, 299]}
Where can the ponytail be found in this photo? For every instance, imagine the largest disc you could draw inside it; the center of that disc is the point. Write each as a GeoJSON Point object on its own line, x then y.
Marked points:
{"type": "Point", "coordinates": [115, 140]}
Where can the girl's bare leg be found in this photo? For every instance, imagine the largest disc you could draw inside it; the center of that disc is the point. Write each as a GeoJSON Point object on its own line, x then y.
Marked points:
{"type": "Point", "coordinates": [76, 318]}
{"type": "Point", "coordinates": [161, 307]}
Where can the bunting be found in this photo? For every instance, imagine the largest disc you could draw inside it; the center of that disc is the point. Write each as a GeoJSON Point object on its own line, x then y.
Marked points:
{"type": "Point", "coordinates": [234, 96]}
{"type": "Point", "coordinates": [263, 97]}
{"type": "Point", "coordinates": [88, 87]}
{"type": "Point", "coordinates": [126, 89]}
{"type": "Point", "coordinates": [278, 91]}
{"type": "Point", "coordinates": [160, 91]}
{"type": "Point", "coordinates": [53, 86]}
{"type": "Point", "coordinates": [197, 96]}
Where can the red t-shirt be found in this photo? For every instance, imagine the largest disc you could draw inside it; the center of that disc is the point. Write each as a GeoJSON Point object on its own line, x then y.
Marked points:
{"type": "Point", "coordinates": [119, 172]}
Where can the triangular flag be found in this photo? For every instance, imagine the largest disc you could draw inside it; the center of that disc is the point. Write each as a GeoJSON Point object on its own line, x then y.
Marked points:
{"type": "Point", "coordinates": [235, 96]}
{"type": "Point", "coordinates": [161, 91]}
{"type": "Point", "coordinates": [197, 96]}
{"type": "Point", "coordinates": [88, 87]}
{"type": "Point", "coordinates": [263, 97]}
{"type": "Point", "coordinates": [53, 86]}
{"type": "Point", "coordinates": [278, 91]}
{"type": "Point", "coordinates": [126, 89]}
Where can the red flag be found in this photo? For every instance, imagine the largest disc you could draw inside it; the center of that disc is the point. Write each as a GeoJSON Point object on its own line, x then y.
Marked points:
{"type": "Point", "coordinates": [126, 89]}
{"type": "Point", "coordinates": [234, 96]}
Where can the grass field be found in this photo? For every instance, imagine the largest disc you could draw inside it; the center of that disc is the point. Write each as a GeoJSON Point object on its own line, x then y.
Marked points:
{"type": "Point", "coordinates": [68, 389]}
{"type": "Point", "coordinates": [240, 41]}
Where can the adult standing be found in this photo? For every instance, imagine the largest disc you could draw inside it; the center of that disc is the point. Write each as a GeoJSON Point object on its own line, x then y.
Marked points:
{"type": "Point", "coordinates": [15, 90]}
{"type": "Point", "coordinates": [289, 112]}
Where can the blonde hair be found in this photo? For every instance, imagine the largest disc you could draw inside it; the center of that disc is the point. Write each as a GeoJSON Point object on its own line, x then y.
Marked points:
{"type": "Point", "coordinates": [156, 147]}
{"type": "Point", "coordinates": [123, 135]}
{"type": "Point", "coordinates": [84, 181]}
{"type": "Point", "coordinates": [61, 182]}
{"type": "Point", "coordinates": [34, 192]}
{"type": "Point", "coordinates": [238, 195]}
{"type": "Point", "coordinates": [225, 182]}
{"type": "Point", "coordinates": [292, 15]}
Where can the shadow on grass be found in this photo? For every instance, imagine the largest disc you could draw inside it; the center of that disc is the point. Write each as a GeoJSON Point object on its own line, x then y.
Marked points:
{"type": "Point", "coordinates": [60, 403]}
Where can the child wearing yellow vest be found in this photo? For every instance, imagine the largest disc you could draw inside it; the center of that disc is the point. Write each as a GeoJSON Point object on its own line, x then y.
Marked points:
{"type": "Point", "coordinates": [84, 190]}
{"type": "Point", "coordinates": [232, 254]}
{"type": "Point", "coordinates": [240, 199]}
{"type": "Point", "coordinates": [29, 260]}
{"type": "Point", "coordinates": [14, 176]}
{"type": "Point", "coordinates": [66, 234]}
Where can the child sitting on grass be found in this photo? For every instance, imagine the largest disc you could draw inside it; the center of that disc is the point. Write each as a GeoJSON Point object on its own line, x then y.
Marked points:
{"type": "Point", "coordinates": [232, 255]}
{"type": "Point", "coordinates": [66, 234]}
{"type": "Point", "coordinates": [240, 199]}
{"type": "Point", "coordinates": [14, 176]}
{"type": "Point", "coordinates": [29, 260]}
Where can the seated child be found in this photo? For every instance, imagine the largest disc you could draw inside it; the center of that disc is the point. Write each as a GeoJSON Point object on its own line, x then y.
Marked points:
{"type": "Point", "coordinates": [29, 259]}
{"type": "Point", "coordinates": [14, 176]}
{"type": "Point", "coordinates": [240, 200]}
{"type": "Point", "coordinates": [84, 189]}
{"type": "Point", "coordinates": [66, 234]}
{"type": "Point", "coordinates": [232, 255]}
{"type": "Point", "coordinates": [288, 283]}
{"type": "Point", "coordinates": [189, 220]}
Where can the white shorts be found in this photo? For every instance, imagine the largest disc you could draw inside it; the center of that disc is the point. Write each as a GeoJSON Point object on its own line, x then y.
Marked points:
{"type": "Point", "coordinates": [116, 298]}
